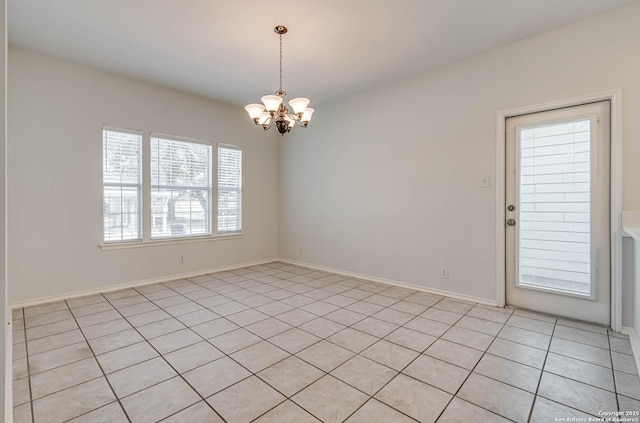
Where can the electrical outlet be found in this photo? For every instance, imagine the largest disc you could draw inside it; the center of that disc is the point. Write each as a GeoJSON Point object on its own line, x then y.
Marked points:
{"type": "Point", "coordinates": [181, 259]}
{"type": "Point", "coordinates": [444, 273]}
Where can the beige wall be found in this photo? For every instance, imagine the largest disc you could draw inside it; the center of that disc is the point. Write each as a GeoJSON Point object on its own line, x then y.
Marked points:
{"type": "Point", "coordinates": [387, 182]}
{"type": "Point", "coordinates": [56, 113]}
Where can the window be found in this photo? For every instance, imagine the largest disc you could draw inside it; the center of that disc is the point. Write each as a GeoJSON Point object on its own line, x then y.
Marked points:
{"type": "Point", "coordinates": [122, 185]}
{"type": "Point", "coordinates": [229, 189]}
{"type": "Point", "coordinates": [180, 188]}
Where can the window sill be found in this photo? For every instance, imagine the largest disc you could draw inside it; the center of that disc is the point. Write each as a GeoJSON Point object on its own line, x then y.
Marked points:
{"type": "Point", "coordinates": [161, 242]}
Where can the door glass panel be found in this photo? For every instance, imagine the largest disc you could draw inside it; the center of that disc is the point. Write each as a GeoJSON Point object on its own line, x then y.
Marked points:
{"type": "Point", "coordinates": [554, 207]}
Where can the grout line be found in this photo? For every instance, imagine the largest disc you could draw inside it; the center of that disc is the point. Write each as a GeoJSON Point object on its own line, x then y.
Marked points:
{"type": "Point", "coordinates": [613, 373]}
{"type": "Point", "coordinates": [101, 369]}
{"type": "Point", "coordinates": [294, 294]}
{"type": "Point", "coordinates": [26, 347]}
{"type": "Point", "coordinates": [544, 363]}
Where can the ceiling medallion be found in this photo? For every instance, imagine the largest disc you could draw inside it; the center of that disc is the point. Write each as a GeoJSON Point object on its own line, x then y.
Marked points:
{"type": "Point", "coordinates": [273, 111]}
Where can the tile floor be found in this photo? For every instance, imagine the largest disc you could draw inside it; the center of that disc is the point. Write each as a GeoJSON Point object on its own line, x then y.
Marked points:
{"type": "Point", "coordinates": [285, 344]}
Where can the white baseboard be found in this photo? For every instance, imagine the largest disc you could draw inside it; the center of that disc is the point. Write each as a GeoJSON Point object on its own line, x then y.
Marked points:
{"type": "Point", "coordinates": [463, 297]}
{"type": "Point", "coordinates": [110, 288]}
{"type": "Point", "coordinates": [635, 343]}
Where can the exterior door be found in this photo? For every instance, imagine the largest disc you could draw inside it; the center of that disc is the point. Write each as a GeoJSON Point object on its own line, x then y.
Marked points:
{"type": "Point", "coordinates": [557, 212]}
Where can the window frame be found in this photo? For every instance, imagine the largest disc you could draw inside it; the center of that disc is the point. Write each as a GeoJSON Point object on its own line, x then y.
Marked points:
{"type": "Point", "coordinates": [139, 185]}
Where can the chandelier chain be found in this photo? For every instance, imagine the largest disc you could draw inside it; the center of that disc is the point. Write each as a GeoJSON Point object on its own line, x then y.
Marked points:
{"type": "Point", "coordinates": [280, 62]}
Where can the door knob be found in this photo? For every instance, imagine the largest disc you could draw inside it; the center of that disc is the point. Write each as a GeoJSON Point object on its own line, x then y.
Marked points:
{"type": "Point", "coordinates": [511, 222]}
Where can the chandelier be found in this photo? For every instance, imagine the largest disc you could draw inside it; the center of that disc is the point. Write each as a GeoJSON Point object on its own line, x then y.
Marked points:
{"type": "Point", "coordinates": [273, 111]}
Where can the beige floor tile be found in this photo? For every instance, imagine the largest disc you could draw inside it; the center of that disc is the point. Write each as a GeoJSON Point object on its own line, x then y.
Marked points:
{"type": "Point", "coordinates": [375, 411]}
{"type": "Point", "coordinates": [456, 306]}
{"type": "Point", "coordinates": [235, 340]}
{"type": "Point", "coordinates": [364, 307]}
{"type": "Point", "coordinates": [21, 393]}
{"type": "Point", "coordinates": [325, 355]}
{"type": "Point", "coordinates": [125, 357]}
{"type": "Point", "coordinates": [427, 326]}
{"type": "Point", "coordinates": [438, 373]}
{"type": "Point", "coordinates": [214, 328]}
{"type": "Point", "coordinates": [322, 327]}
{"type": "Point", "coordinates": [43, 319]}
{"type": "Point", "coordinates": [73, 402]}
{"type": "Point", "coordinates": [49, 343]}
{"type": "Point", "coordinates": [163, 327]}
{"type": "Point", "coordinates": [531, 324]}
{"type": "Point", "coordinates": [290, 375]}
{"type": "Point", "coordinates": [442, 316]}
{"type": "Point", "coordinates": [497, 397]}
{"type": "Point", "coordinates": [408, 338]}
{"type": "Point", "coordinates": [408, 307]}
{"type": "Point", "coordinates": [245, 401]}
{"type": "Point", "coordinates": [375, 327]}
{"type": "Point", "coordinates": [22, 414]}
{"type": "Point", "coordinates": [103, 329]}
{"type": "Point", "coordinates": [525, 337]}
{"type": "Point", "coordinates": [480, 325]}
{"type": "Point", "coordinates": [454, 353]}
{"type": "Point", "coordinates": [545, 411]}
{"type": "Point", "coordinates": [197, 317]}
{"type": "Point", "coordinates": [582, 325]}
{"type": "Point", "coordinates": [20, 368]}
{"type": "Point", "coordinates": [274, 308]}
{"type": "Point", "coordinates": [624, 363]}
{"type": "Point", "coordinates": [287, 412]}
{"type": "Point", "coordinates": [345, 317]}
{"type": "Point", "coordinates": [247, 317]}
{"type": "Point", "coordinates": [628, 385]}
{"type": "Point", "coordinates": [215, 376]}
{"type": "Point", "coordinates": [145, 318]}
{"type": "Point", "coordinates": [259, 356]}
{"type": "Point", "coordinates": [51, 329]}
{"type": "Point", "coordinates": [621, 345]}
{"type": "Point", "coordinates": [494, 315]}
{"type": "Point", "coordinates": [460, 411]}
{"type": "Point", "coordinates": [175, 340]}
{"type": "Point", "coordinates": [414, 398]}
{"type": "Point", "coordinates": [628, 404]}
{"type": "Point", "coordinates": [390, 354]}
{"type": "Point", "coordinates": [111, 413]}
{"type": "Point", "coordinates": [193, 356]}
{"type": "Point", "coordinates": [58, 357]}
{"type": "Point", "coordinates": [115, 341]}
{"type": "Point", "coordinates": [96, 318]}
{"type": "Point", "coordinates": [352, 339]}
{"type": "Point", "coordinates": [364, 374]}
{"type": "Point", "coordinates": [296, 317]}
{"type": "Point", "coordinates": [579, 370]}
{"type": "Point", "coordinates": [64, 377]}
{"type": "Point", "coordinates": [294, 340]}
{"type": "Point", "coordinates": [583, 336]}
{"type": "Point", "coordinates": [580, 351]}
{"type": "Point", "coordinates": [330, 400]}
{"type": "Point", "coordinates": [576, 395]}
{"type": "Point", "coordinates": [268, 327]}
{"type": "Point", "coordinates": [198, 413]}
{"type": "Point", "coordinates": [159, 401]}
{"type": "Point", "coordinates": [140, 376]}
{"type": "Point", "coordinates": [393, 316]}
{"type": "Point", "coordinates": [509, 372]}
{"type": "Point", "coordinates": [469, 338]}
{"type": "Point", "coordinates": [44, 309]}
{"type": "Point", "coordinates": [518, 352]}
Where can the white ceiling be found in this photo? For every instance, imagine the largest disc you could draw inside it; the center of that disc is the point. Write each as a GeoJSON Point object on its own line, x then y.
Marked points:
{"type": "Point", "coordinates": [227, 50]}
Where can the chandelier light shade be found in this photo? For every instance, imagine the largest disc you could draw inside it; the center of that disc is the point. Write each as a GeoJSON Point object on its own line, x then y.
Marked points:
{"type": "Point", "coordinates": [274, 112]}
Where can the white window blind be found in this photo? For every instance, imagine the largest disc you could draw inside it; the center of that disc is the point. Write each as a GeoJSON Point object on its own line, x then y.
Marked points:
{"type": "Point", "coordinates": [180, 188]}
{"type": "Point", "coordinates": [229, 189]}
{"type": "Point", "coordinates": [555, 201]}
{"type": "Point", "coordinates": [122, 185]}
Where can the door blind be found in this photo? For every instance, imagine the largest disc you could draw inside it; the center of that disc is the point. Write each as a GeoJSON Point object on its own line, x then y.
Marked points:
{"type": "Point", "coordinates": [555, 203]}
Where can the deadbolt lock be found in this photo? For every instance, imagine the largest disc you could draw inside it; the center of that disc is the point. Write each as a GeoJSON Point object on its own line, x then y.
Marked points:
{"type": "Point", "coordinates": [511, 207]}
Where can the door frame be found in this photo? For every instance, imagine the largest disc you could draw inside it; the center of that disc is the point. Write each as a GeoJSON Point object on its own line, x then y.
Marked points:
{"type": "Point", "coordinates": [615, 97]}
